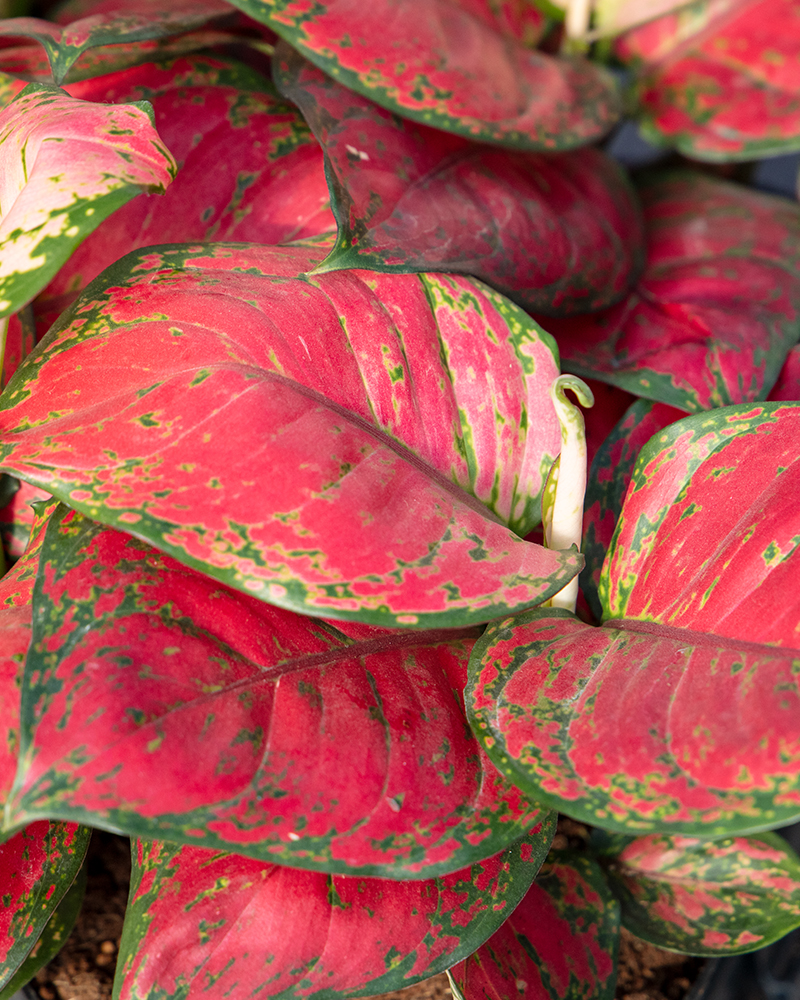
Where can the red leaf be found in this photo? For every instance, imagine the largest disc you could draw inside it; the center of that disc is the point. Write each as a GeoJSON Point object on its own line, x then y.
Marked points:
{"type": "Point", "coordinates": [233, 724]}
{"type": "Point", "coordinates": [560, 943]}
{"type": "Point", "coordinates": [65, 165]}
{"type": "Point", "coordinates": [681, 715]}
{"type": "Point", "coordinates": [65, 46]}
{"type": "Point", "coordinates": [558, 233]}
{"type": "Point", "coordinates": [787, 386]}
{"type": "Point", "coordinates": [434, 62]}
{"type": "Point", "coordinates": [723, 85]}
{"type": "Point", "coordinates": [720, 897]}
{"type": "Point", "coordinates": [381, 348]}
{"type": "Point", "coordinates": [16, 611]}
{"type": "Point", "coordinates": [205, 924]}
{"type": "Point", "coordinates": [637, 726]}
{"type": "Point", "coordinates": [708, 536]}
{"type": "Point", "coordinates": [249, 169]}
{"type": "Point", "coordinates": [717, 308]}
{"type": "Point", "coordinates": [609, 478]}
{"type": "Point", "coordinates": [37, 867]}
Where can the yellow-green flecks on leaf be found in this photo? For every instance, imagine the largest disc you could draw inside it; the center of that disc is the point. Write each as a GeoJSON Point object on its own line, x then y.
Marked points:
{"type": "Point", "coordinates": [65, 165]}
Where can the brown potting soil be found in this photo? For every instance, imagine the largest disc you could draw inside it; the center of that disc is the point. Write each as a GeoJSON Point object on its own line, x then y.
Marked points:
{"type": "Point", "coordinates": [84, 969]}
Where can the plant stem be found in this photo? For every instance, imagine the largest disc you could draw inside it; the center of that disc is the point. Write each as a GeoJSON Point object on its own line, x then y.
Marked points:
{"type": "Point", "coordinates": [562, 506]}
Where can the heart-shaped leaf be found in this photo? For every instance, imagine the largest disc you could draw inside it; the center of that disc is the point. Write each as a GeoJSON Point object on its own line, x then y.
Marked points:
{"type": "Point", "coordinates": [717, 309]}
{"type": "Point", "coordinates": [720, 81]}
{"type": "Point", "coordinates": [560, 943]}
{"type": "Point", "coordinates": [638, 726]}
{"type": "Point", "coordinates": [250, 169]}
{"type": "Point", "coordinates": [701, 897]}
{"type": "Point", "coordinates": [65, 45]}
{"type": "Point", "coordinates": [434, 62]}
{"type": "Point", "coordinates": [321, 509]}
{"type": "Point", "coordinates": [558, 233]}
{"type": "Point", "coordinates": [681, 715]}
{"type": "Point", "coordinates": [242, 925]}
{"type": "Point", "coordinates": [233, 724]}
{"type": "Point", "coordinates": [37, 867]}
{"type": "Point", "coordinates": [65, 165]}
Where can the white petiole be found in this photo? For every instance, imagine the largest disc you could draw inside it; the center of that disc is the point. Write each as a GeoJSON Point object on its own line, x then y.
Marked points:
{"type": "Point", "coordinates": [562, 504]}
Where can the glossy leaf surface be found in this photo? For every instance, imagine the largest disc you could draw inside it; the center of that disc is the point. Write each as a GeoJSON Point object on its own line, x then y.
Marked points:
{"type": "Point", "coordinates": [609, 477]}
{"type": "Point", "coordinates": [434, 62]}
{"type": "Point", "coordinates": [66, 165]}
{"type": "Point", "coordinates": [16, 612]}
{"type": "Point", "coordinates": [65, 45]}
{"type": "Point", "coordinates": [558, 233]}
{"type": "Point", "coordinates": [717, 309]}
{"type": "Point", "coordinates": [37, 867]}
{"type": "Point", "coordinates": [249, 169]}
{"type": "Point", "coordinates": [679, 714]}
{"type": "Point", "coordinates": [641, 727]}
{"type": "Point", "coordinates": [708, 537]}
{"type": "Point", "coordinates": [311, 471]}
{"type": "Point", "coordinates": [726, 87]}
{"type": "Point", "coordinates": [205, 924]}
{"type": "Point", "coordinates": [560, 943]}
{"type": "Point", "coordinates": [229, 723]}
{"type": "Point", "coordinates": [52, 939]}
{"type": "Point", "coordinates": [720, 897]}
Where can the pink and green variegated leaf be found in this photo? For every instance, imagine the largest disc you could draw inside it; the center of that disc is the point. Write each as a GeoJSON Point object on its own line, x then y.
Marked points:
{"type": "Point", "coordinates": [715, 313]}
{"type": "Point", "coordinates": [700, 897]}
{"type": "Point", "coordinates": [37, 867]}
{"type": "Point", "coordinates": [327, 400]}
{"type": "Point", "coordinates": [560, 943]}
{"type": "Point", "coordinates": [65, 165]}
{"type": "Point", "coordinates": [232, 724]}
{"type": "Point", "coordinates": [252, 928]}
{"type": "Point", "coordinates": [16, 614]}
{"type": "Point", "coordinates": [17, 516]}
{"type": "Point", "coordinates": [558, 233]}
{"type": "Point", "coordinates": [669, 31]}
{"type": "Point", "coordinates": [250, 169]}
{"type": "Point", "coordinates": [519, 20]}
{"type": "Point", "coordinates": [728, 88]}
{"type": "Point", "coordinates": [436, 63]}
{"type": "Point", "coordinates": [52, 939]}
{"type": "Point", "coordinates": [709, 535]}
{"type": "Point", "coordinates": [20, 339]}
{"type": "Point", "coordinates": [10, 86]}
{"type": "Point", "coordinates": [609, 476]}
{"type": "Point", "coordinates": [32, 60]}
{"type": "Point", "coordinates": [65, 45]}
{"type": "Point", "coordinates": [640, 727]}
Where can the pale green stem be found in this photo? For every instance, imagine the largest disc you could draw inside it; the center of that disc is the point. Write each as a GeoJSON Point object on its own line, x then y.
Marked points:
{"type": "Point", "coordinates": [576, 26]}
{"type": "Point", "coordinates": [562, 506]}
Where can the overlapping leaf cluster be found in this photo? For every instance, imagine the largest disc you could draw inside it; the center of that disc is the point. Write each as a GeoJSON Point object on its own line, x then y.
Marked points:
{"type": "Point", "coordinates": [285, 290]}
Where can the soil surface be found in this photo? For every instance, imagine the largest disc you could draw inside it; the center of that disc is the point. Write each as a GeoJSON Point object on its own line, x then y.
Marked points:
{"type": "Point", "coordinates": [84, 969]}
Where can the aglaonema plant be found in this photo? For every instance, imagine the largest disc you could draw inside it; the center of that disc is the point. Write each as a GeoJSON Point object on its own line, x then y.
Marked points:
{"type": "Point", "coordinates": [279, 612]}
